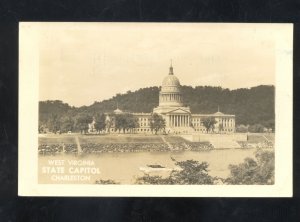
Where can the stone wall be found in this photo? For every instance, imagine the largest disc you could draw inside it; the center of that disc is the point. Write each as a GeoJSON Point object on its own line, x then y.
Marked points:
{"type": "Point", "coordinates": [208, 137]}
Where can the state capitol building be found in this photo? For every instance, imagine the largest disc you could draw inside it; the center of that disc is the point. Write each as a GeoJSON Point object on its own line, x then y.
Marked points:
{"type": "Point", "coordinates": [178, 117]}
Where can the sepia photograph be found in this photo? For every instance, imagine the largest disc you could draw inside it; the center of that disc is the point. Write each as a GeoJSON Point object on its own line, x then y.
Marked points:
{"type": "Point", "coordinates": [156, 104]}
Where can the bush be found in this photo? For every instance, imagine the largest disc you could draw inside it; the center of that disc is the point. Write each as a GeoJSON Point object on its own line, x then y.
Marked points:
{"type": "Point", "coordinates": [106, 182]}
{"type": "Point", "coordinates": [241, 129]}
{"type": "Point", "coordinates": [256, 128]}
{"type": "Point", "coordinates": [192, 172]}
{"type": "Point", "coordinates": [259, 171]}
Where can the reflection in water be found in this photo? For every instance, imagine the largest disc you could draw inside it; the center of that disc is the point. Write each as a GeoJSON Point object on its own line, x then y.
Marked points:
{"type": "Point", "coordinates": [126, 167]}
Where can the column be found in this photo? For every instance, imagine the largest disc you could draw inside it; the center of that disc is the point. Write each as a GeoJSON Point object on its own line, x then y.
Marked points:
{"type": "Point", "coordinates": [180, 122]}
{"type": "Point", "coordinates": [174, 120]}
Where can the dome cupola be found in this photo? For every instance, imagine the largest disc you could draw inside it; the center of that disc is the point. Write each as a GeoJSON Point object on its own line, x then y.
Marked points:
{"type": "Point", "coordinates": [170, 94]}
{"type": "Point", "coordinates": [170, 83]}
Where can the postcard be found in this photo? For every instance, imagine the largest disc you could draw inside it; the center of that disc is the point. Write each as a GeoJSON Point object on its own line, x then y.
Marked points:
{"type": "Point", "coordinates": [155, 109]}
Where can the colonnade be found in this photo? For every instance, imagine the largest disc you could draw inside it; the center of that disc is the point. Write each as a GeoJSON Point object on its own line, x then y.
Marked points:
{"type": "Point", "coordinates": [179, 120]}
{"type": "Point", "coordinates": [170, 97]}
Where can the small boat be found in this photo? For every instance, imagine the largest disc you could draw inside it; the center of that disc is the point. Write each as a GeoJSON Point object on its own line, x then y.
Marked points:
{"type": "Point", "coordinates": [157, 168]}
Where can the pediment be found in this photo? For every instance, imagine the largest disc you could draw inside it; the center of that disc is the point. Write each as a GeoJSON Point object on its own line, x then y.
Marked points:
{"type": "Point", "coordinates": [178, 111]}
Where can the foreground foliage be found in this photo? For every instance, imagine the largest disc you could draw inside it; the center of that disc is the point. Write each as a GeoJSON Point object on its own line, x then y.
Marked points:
{"type": "Point", "coordinates": [192, 172]}
{"type": "Point", "coordinates": [259, 171]}
{"type": "Point", "coordinates": [106, 182]}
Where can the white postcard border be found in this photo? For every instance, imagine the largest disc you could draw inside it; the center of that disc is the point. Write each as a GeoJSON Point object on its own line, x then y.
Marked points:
{"type": "Point", "coordinates": [28, 128]}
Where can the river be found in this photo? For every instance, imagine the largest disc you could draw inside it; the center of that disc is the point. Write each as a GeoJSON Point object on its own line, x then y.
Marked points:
{"type": "Point", "coordinates": [125, 167]}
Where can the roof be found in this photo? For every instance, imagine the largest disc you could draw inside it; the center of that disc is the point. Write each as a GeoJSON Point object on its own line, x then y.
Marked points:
{"type": "Point", "coordinates": [218, 114]}
{"type": "Point", "coordinates": [118, 111]}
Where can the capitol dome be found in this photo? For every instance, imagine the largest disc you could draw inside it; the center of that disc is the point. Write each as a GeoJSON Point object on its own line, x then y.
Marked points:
{"type": "Point", "coordinates": [170, 83]}
{"type": "Point", "coordinates": [170, 94]}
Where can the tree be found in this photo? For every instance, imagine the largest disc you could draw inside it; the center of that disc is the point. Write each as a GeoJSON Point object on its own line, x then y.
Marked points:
{"type": "Point", "coordinates": [157, 122]}
{"type": "Point", "coordinates": [241, 129]}
{"type": "Point", "coordinates": [251, 171]}
{"type": "Point", "coordinates": [191, 172]}
{"type": "Point", "coordinates": [100, 122]}
{"type": "Point", "coordinates": [269, 124]}
{"type": "Point", "coordinates": [67, 124]}
{"type": "Point", "coordinates": [108, 122]}
{"type": "Point", "coordinates": [256, 128]}
{"type": "Point", "coordinates": [250, 106]}
{"type": "Point", "coordinates": [221, 127]}
{"type": "Point", "coordinates": [132, 122]}
{"type": "Point", "coordinates": [208, 123]}
{"type": "Point", "coordinates": [125, 122]}
{"type": "Point", "coordinates": [82, 122]}
{"type": "Point", "coordinates": [54, 123]}
{"type": "Point", "coordinates": [120, 122]}
{"type": "Point", "coordinates": [42, 129]}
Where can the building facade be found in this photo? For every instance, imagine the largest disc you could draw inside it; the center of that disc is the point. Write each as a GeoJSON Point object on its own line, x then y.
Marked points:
{"type": "Point", "coordinates": [178, 117]}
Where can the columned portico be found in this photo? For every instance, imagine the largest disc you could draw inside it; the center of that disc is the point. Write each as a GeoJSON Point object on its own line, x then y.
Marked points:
{"type": "Point", "coordinates": [178, 120]}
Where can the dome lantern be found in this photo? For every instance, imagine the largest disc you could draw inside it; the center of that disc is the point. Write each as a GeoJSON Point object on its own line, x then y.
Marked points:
{"type": "Point", "coordinates": [171, 69]}
{"type": "Point", "coordinates": [170, 94]}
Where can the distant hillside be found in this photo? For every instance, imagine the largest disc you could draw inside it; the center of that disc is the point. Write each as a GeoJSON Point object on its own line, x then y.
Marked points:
{"type": "Point", "coordinates": [254, 105]}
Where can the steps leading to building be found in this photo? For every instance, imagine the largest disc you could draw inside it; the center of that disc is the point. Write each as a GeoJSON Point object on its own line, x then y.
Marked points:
{"type": "Point", "coordinates": [180, 130]}
{"type": "Point", "coordinates": [78, 145]}
{"type": "Point", "coordinates": [166, 142]}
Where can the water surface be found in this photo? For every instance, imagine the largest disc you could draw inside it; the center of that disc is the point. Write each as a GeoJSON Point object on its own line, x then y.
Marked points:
{"type": "Point", "coordinates": [124, 168]}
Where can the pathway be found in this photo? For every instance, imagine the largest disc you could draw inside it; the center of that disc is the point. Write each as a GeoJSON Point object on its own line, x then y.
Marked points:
{"type": "Point", "coordinates": [78, 145]}
{"type": "Point", "coordinates": [267, 139]}
{"type": "Point", "coordinates": [166, 142]}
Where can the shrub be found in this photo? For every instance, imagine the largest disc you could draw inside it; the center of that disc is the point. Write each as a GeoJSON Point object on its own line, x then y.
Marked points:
{"type": "Point", "coordinates": [259, 171]}
{"type": "Point", "coordinates": [192, 172]}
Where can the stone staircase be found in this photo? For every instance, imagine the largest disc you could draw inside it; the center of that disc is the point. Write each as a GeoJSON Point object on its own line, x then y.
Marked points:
{"type": "Point", "coordinates": [166, 142]}
{"type": "Point", "coordinates": [180, 130]}
{"type": "Point", "coordinates": [79, 150]}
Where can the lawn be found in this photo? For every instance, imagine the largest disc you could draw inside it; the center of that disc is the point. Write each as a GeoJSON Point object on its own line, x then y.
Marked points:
{"type": "Point", "coordinates": [67, 139]}
{"type": "Point", "coordinates": [259, 138]}
{"type": "Point", "coordinates": [175, 139]}
{"type": "Point", "coordinates": [103, 139]}
{"type": "Point", "coordinates": [120, 139]}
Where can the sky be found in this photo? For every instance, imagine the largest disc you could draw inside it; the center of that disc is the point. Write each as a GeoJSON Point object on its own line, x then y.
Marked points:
{"type": "Point", "coordinates": [80, 63]}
